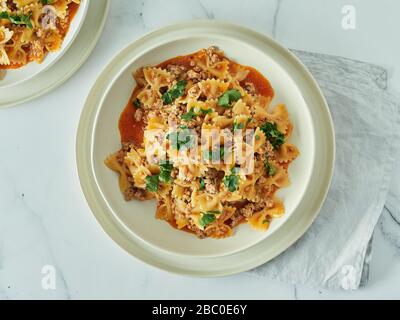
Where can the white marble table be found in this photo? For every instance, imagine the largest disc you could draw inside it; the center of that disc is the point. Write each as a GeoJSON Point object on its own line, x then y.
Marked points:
{"type": "Point", "coordinates": [44, 219]}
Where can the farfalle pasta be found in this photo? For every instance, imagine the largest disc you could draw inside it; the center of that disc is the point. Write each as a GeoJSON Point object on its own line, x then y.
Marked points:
{"type": "Point", "coordinates": [29, 29]}
{"type": "Point", "coordinates": [200, 135]}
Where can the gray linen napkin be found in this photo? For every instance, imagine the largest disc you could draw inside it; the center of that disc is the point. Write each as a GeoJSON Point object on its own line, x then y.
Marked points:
{"type": "Point", "coordinates": [336, 250]}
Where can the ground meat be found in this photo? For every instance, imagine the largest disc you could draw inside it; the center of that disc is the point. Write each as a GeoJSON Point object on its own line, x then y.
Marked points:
{"type": "Point", "coordinates": [194, 92]}
{"type": "Point", "coordinates": [174, 173]}
{"type": "Point", "coordinates": [174, 114]}
{"type": "Point", "coordinates": [212, 180]}
{"type": "Point", "coordinates": [194, 76]}
{"type": "Point", "coordinates": [210, 186]}
{"type": "Point", "coordinates": [187, 195]}
{"type": "Point", "coordinates": [218, 231]}
{"type": "Point", "coordinates": [127, 146]}
{"type": "Point", "coordinates": [198, 232]}
{"type": "Point", "coordinates": [212, 54]}
{"type": "Point", "coordinates": [176, 70]}
{"type": "Point", "coordinates": [267, 150]}
{"type": "Point", "coordinates": [134, 193]}
{"type": "Point", "coordinates": [251, 208]}
{"type": "Point", "coordinates": [228, 113]}
{"type": "Point", "coordinates": [121, 156]}
{"type": "Point", "coordinates": [250, 88]}
{"type": "Point", "coordinates": [152, 114]}
{"type": "Point", "coordinates": [138, 115]}
{"type": "Point", "coordinates": [184, 174]}
{"type": "Point", "coordinates": [11, 5]}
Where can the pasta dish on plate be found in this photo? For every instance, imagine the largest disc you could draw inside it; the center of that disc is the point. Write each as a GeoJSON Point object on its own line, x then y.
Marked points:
{"type": "Point", "coordinates": [200, 135]}
{"type": "Point", "coordinates": [29, 29]}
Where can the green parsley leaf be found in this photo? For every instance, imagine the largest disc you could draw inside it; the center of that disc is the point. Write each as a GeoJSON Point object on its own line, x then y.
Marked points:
{"type": "Point", "coordinates": [231, 182]}
{"type": "Point", "coordinates": [206, 219]}
{"type": "Point", "coordinates": [183, 127]}
{"type": "Point", "coordinates": [137, 103]}
{"type": "Point", "coordinates": [189, 115]}
{"type": "Point", "coordinates": [271, 170]}
{"type": "Point", "coordinates": [228, 97]}
{"type": "Point", "coordinates": [21, 19]}
{"type": "Point", "coordinates": [213, 154]}
{"type": "Point", "coordinates": [222, 153]}
{"type": "Point", "coordinates": [214, 212]}
{"type": "Point", "coordinates": [208, 154]}
{"type": "Point", "coordinates": [206, 111]}
{"type": "Point", "coordinates": [238, 126]}
{"type": "Point", "coordinates": [165, 171]}
{"type": "Point", "coordinates": [177, 91]}
{"type": "Point", "coordinates": [202, 184]}
{"type": "Point", "coordinates": [272, 133]}
{"type": "Point", "coordinates": [181, 139]}
{"type": "Point", "coordinates": [152, 183]}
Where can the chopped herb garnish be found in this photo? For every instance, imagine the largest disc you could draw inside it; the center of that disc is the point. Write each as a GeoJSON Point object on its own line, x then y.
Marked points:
{"type": "Point", "coordinates": [152, 183]}
{"type": "Point", "coordinates": [258, 137]}
{"type": "Point", "coordinates": [44, 2]}
{"type": "Point", "coordinates": [206, 111]}
{"type": "Point", "coordinates": [214, 212]}
{"type": "Point", "coordinates": [231, 182]}
{"type": "Point", "coordinates": [137, 103]}
{"type": "Point", "coordinates": [177, 91]}
{"type": "Point", "coordinates": [272, 133]}
{"type": "Point", "coordinates": [271, 169]}
{"type": "Point", "coordinates": [222, 153]}
{"type": "Point", "coordinates": [189, 115]}
{"type": "Point", "coordinates": [181, 139]}
{"type": "Point", "coordinates": [213, 154]}
{"type": "Point", "coordinates": [206, 219]}
{"type": "Point", "coordinates": [165, 171]}
{"type": "Point", "coordinates": [208, 154]}
{"type": "Point", "coordinates": [238, 126]}
{"type": "Point", "coordinates": [202, 184]}
{"type": "Point", "coordinates": [228, 97]}
{"type": "Point", "coordinates": [183, 127]}
{"type": "Point", "coordinates": [21, 19]}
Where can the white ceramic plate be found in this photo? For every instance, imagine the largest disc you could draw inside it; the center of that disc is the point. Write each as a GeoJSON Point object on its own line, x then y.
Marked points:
{"type": "Point", "coordinates": [13, 77]}
{"type": "Point", "coordinates": [132, 224]}
{"type": "Point", "coordinates": [34, 79]}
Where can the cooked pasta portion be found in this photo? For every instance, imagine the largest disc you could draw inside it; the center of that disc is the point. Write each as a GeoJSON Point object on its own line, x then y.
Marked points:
{"type": "Point", "coordinates": [200, 135]}
{"type": "Point", "coordinates": [29, 29]}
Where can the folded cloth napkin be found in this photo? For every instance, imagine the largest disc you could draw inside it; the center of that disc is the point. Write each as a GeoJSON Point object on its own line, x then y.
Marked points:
{"type": "Point", "coordinates": [336, 251]}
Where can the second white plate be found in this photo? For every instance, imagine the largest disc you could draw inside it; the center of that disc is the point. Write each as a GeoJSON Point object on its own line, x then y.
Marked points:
{"type": "Point", "coordinates": [74, 56]}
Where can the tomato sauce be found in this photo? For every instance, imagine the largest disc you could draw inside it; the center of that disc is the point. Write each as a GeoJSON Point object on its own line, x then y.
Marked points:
{"type": "Point", "coordinates": [133, 131]}
{"type": "Point", "coordinates": [130, 129]}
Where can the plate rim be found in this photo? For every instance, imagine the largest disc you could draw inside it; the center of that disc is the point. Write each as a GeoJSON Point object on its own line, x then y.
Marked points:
{"type": "Point", "coordinates": [88, 116]}
{"type": "Point", "coordinates": [79, 61]}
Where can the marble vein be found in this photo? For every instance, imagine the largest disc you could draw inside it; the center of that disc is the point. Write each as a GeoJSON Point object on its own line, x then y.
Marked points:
{"type": "Point", "coordinates": [209, 14]}
{"type": "Point", "coordinates": [392, 215]}
{"type": "Point", "coordinates": [389, 226]}
{"type": "Point", "coordinates": [295, 293]}
{"type": "Point", "coordinates": [276, 14]}
{"type": "Point", "coordinates": [60, 272]}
